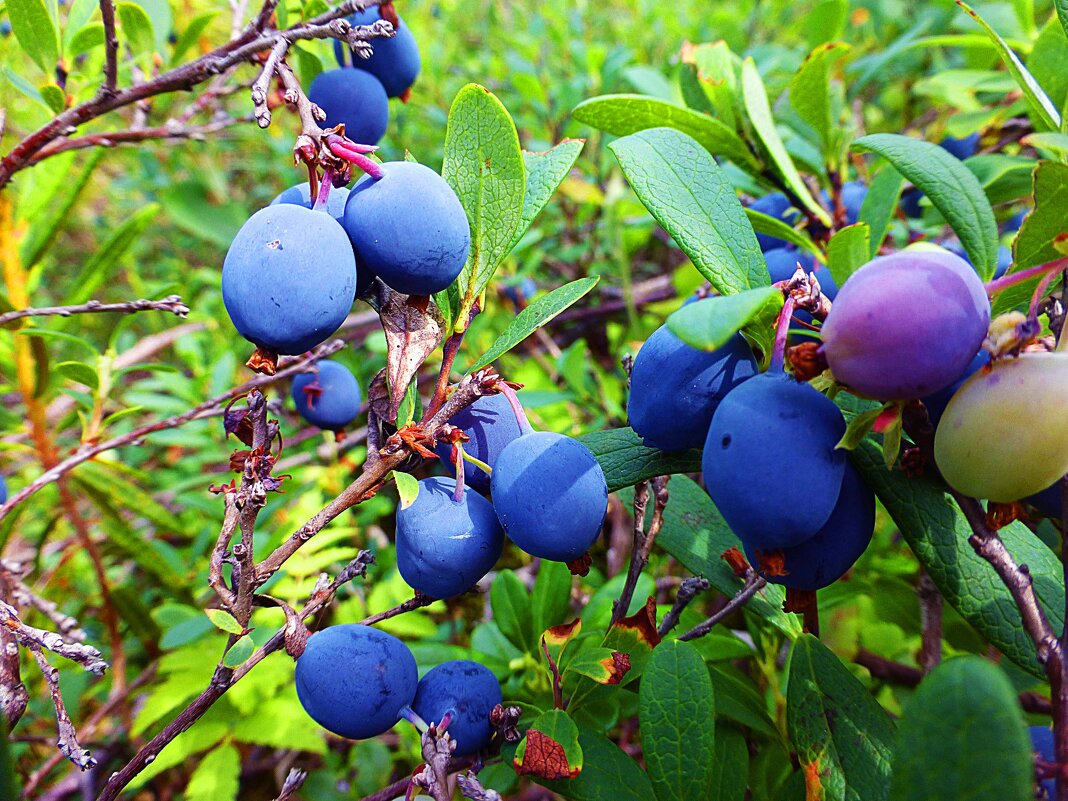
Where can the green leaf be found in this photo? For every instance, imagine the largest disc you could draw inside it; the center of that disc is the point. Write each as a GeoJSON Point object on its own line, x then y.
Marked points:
{"type": "Point", "coordinates": [858, 428]}
{"type": "Point", "coordinates": [692, 198]}
{"type": "Point", "coordinates": [78, 15]}
{"type": "Point", "coordinates": [410, 406]}
{"type": "Point", "coordinates": [545, 171]}
{"type": "Point", "coordinates": [239, 652]}
{"type": "Point", "coordinates": [407, 488]}
{"type": "Point", "coordinates": [764, 224]}
{"type": "Point", "coordinates": [35, 30]}
{"type": "Point", "coordinates": [56, 214]}
{"type": "Point", "coordinates": [1062, 13]}
{"type": "Point", "coordinates": [510, 603]}
{"type": "Point", "coordinates": [223, 620]}
{"type": "Point", "coordinates": [191, 35]}
{"type": "Point", "coordinates": [712, 69]}
{"type": "Point", "coordinates": [1055, 142]}
{"type": "Point", "coordinates": [216, 777]}
{"type": "Point", "coordinates": [951, 186]}
{"type": "Point", "coordinates": [308, 64]}
{"type": "Point", "coordinates": [1041, 106]}
{"type": "Point", "coordinates": [694, 533]}
{"type": "Point", "coordinates": [756, 105]}
{"type": "Point", "coordinates": [880, 206]}
{"type": "Point", "coordinates": [708, 324]}
{"type": "Point", "coordinates": [622, 115]}
{"type": "Point", "coordinates": [98, 267]}
{"type": "Point", "coordinates": [1034, 243]}
{"type": "Point", "coordinates": [560, 728]}
{"type": "Point", "coordinates": [484, 166]}
{"type": "Point", "coordinates": [626, 461]}
{"type": "Point", "coordinates": [551, 598]}
{"type": "Point", "coordinates": [944, 743]}
{"type": "Point", "coordinates": [810, 95]}
{"type": "Point", "coordinates": [55, 97]}
{"type": "Point", "coordinates": [840, 731]}
{"type": "Point", "coordinates": [86, 39]}
{"type": "Point", "coordinates": [937, 532]}
{"type": "Point", "coordinates": [534, 317]}
{"type": "Point", "coordinates": [676, 713]}
{"type": "Point", "coordinates": [136, 27]}
{"type": "Point", "coordinates": [730, 766]}
{"type": "Point", "coordinates": [609, 773]}
{"type": "Point", "coordinates": [826, 20]}
{"type": "Point", "coordinates": [82, 373]}
{"type": "Point", "coordinates": [1004, 178]}
{"type": "Point", "coordinates": [848, 250]}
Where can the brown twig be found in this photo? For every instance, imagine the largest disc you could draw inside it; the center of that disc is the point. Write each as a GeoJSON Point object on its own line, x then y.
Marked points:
{"type": "Point", "coordinates": [417, 602]}
{"type": "Point", "coordinates": [67, 740]}
{"type": "Point", "coordinates": [931, 604]}
{"type": "Point", "coordinates": [31, 637]}
{"type": "Point", "coordinates": [111, 49]}
{"type": "Point", "coordinates": [643, 540]}
{"type": "Point", "coordinates": [89, 451]}
{"type": "Point", "coordinates": [753, 584]}
{"type": "Point", "coordinates": [170, 131]}
{"type": "Point", "coordinates": [688, 590]}
{"type": "Point", "coordinates": [294, 781]}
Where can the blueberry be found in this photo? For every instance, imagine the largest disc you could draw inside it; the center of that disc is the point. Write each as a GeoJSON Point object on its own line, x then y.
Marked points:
{"type": "Point", "coordinates": [289, 278]}
{"type": "Point", "coordinates": [468, 692]}
{"type": "Point", "coordinates": [550, 495]}
{"type": "Point", "coordinates": [300, 195]}
{"type": "Point", "coordinates": [354, 680]}
{"type": "Point", "coordinates": [409, 228]}
{"type": "Point", "coordinates": [770, 462]}
{"type": "Point", "coordinates": [1049, 501]}
{"type": "Point", "coordinates": [491, 425]}
{"type": "Point", "coordinates": [329, 399]}
{"type": "Point", "coordinates": [3, 490]}
{"type": "Point", "coordinates": [521, 292]}
{"type": "Point", "coordinates": [675, 389]}
{"type": "Point", "coordinates": [782, 264]}
{"type": "Point", "coordinates": [910, 203]}
{"type": "Point", "coordinates": [355, 98]}
{"type": "Point", "coordinates": [936, 402]}
{"type": "Point", "coordinates": [445, 546]}
{"type": "Point", "coordinates": [778, 206]}
{"type": "Point", "coordinates": [825, 557]}
{"type": "Point", "coordinates": [906, 325]}
{"type": "Point", "coordinates": [962, 148]}
{"type": "Point", "coordinates": [1015, 222]}
{"type": "Point", "coordinates": [1042, 745]}
{"type": "Point", "coordinates": [395, 61]}
{"type": "Point", "coordinates": [853, 194]}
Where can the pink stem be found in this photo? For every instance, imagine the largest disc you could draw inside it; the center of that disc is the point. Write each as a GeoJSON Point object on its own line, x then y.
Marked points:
{"type": "Point", "coordinates": [1003, 283]}
{"type": "Point", "coordinates": [355, 153]}
{"type": "Point", "coordinates": [324, 190]}
{"type": "Point", "coordinates": [778, 353]}
{"type": "Point", "coordinates": [458, 462]}
{"type": "Point", "coordinates": [1039, 293]}
{"type": "Point", "coordinates": [517, 407]}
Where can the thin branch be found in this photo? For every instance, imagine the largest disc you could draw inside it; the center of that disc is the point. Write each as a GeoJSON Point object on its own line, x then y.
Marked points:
{"type": "Point", "coordinates": [89, 451]}
{"type": "Point", "coordinates": [753, 584]}
{"type": "Point", "coordinates": [171, 303]}
{"type": "Point", "coordinates": [417, 602]}
{"type": "Point", "coordinates": [931, 605]}
{"type": "Point", "coordinates": [294, 781]}
{"type": "Point", "coordinates": [31, 637]}
{"type": "Point", "coordinates": [643, 540]}
{"type": "Point", "coordinates": [111, 49]}
{"type": "Point", "coordinates": [688, 590]}
{"type": "Point", "coordinates": [68, 737]}
{"type": "Point", "coordinates": [169, 132]}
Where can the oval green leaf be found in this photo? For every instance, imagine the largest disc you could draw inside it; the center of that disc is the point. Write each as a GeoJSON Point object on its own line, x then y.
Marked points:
{"type": "Point", "coordinates": [35, 31]}
{"type": "Point", "coordinates": [708, 324]}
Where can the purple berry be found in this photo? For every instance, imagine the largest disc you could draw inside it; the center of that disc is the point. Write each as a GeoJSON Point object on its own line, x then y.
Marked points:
{"type": "Point", "coordinates": [491, 425]}
{"type": "Point", "coordinates": [906, 325]}
{"type": "Point", "coordinates": [467, 691]}
{"type": "Point", "coordinates": [395, 60]}
{"type": "Point", "coordinates": [355, 98]}
{"type": "Point", "coordinates": [329, 398]}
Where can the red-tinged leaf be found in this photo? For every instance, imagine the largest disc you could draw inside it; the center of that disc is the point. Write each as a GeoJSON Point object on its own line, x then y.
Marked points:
{"type": "Point", "coordinates": [617, 665]}
{"type": "Point", "coordinates": [551, 749]}
{"type": "Point", "coordinates": [889, 416]}
{"type": "Point", "coordinates": [643, 624]}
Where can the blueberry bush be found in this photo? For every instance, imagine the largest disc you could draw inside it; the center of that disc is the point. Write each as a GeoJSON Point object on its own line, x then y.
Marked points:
{"type": "Point", "coordinates": [524, 402]}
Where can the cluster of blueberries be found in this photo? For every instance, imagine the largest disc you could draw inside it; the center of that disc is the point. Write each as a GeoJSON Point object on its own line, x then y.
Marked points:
{"type": "Point", "coordinates": [909, 325]}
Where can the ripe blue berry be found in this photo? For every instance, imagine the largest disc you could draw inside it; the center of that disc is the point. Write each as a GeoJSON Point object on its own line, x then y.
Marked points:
{"type": "Point", "coordinates": [1042, 746]}
{"type": "Point", "coordinates": [675, 389]}
{"type": "Point", "coordinates": [3, 490]}
{"type": "Point", "coordinates": [963, 147]}
{"type": "Point", "coordinates": [491, 425]}
{"type": "Point", "coordinates": [468, 692]}
{"type": "Point", "coordinates": [1049, 501]}
{"type": "Point", "coordinates": [825, 557]}
{"type": "Point", "coordinates": [395, 61]}
{"type": "Point", "coordinates": [353, 680]}
{"type": "Point", "coordinates": [770, 462]}
{"type": "Point", "coordinates": [330, 398]}
{"type": "Point", "coordinates": [409, 228]}
{"type": "Point", "coordinates": [906, 325]}
{"type": "Point", "coordinates": [853, 194]}
{"type": "Point", "coordinates": [355, 98]}
{"type": "Point", "coordinates": [445, 546]}
{"type": "Point", "coordinates": [550, 495]}
{"type": "Point", "coordinates": [300, 195]}
{"type": "Point", "coordinates": [289, 278]}
{"type": "Point", "coordinates": [778, 206]}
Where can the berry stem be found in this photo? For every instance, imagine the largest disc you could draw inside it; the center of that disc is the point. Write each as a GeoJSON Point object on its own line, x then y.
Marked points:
{"type": "Point", "coordinates": [485, 468]}
{"type": "Point", "coordinates": [458, 463]}
{"type": "Point", "coordinates": [517, 407]}
{"type": "Point", "coordinates": [1003, 283]}
{"type": "Point", "coordinates": [778, 352]}
{"type": "Point", "coordinates": [350, 151]}
{"type": "Point", "coordinates": [1039, 293]}
{"type": "Point", "coordinates": [410, 715]}
{"type": "Point", "coordinates": [325, 186]}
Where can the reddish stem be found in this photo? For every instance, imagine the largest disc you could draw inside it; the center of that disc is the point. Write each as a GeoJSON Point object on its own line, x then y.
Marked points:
{"type": "Point", "coordinates": [517, 407]}
{"type": "Point", "coordinates": [458, 463]}
{"type": "Point", "coordinates": [350, 151]}
{"type": "Point", "coordinates": [778, 353]}
{"type": "Point", "coordinates": [448, 356]}
{"type": "Point", "coordinates": [1039, 293]}
{"type": "Point", "coordinates": [324, 190]}
{"type": "Point", "coordinates": [1003, 283]}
